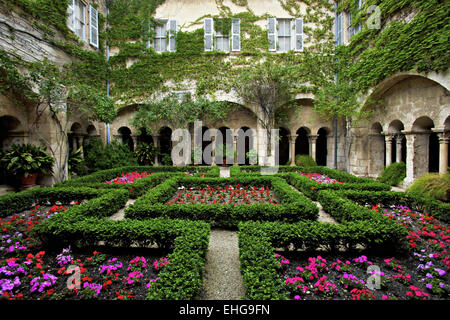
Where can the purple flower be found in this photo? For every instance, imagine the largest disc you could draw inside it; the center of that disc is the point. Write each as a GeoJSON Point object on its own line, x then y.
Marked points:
{"type": "Point", "coordinates": [429, 286]}
{"type": "Point", "coordinates": [440, 271]}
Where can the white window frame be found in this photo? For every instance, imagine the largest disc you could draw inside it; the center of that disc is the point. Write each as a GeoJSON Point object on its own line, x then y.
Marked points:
{"type": "Point", "coordinates": [231, 39]}
{"type": "Point", "coordinates": [73, 18]}
{"type": "Point", "coordinates": [236, 35]}
{"type": "Point", "coordinates": [340, 29]}
{"type": "Point", "coordinates": [93, 27]}
{"type": "Point", "coordinates": [156, 37]}
{"type": "Point", "coordinates": [217, 36]}
{"type": "Point", "coordinates": [208, 34]}
{"type": "Point", "coordinates": [289, 36]}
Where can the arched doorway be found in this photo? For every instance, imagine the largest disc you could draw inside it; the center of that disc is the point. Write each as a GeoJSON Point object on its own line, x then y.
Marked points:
{"type": "Point", "coordinates": [322, 147]}
{"type": "Point", "coordinates": [8, 125]}
{"type": "Point", "coordinates": [225, 148]}
{"type": "Point", "coordinates": [144, 137]}
{"type": "Point", "coordinates": [165, 146]}
{"type": "Point", "coordinates": [125, 137]}
{"type": "Point", "coordinates": [302, 141]}
{"type": "Point", "coordinates": [284, 148]}
{"type": "Point", "coordinates": [426, 147]}
{"type": "Point", "coordinates": [245, 141]}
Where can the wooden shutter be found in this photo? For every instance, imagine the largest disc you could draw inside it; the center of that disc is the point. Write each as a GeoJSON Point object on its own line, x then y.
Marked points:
{"type": "Point", "coordinates": [236, 35]}
{"type": "Point", "coordinates": [93, 26]}
{"type": "Point", "coordinates": [209, 31]}
{"type": "Point", "coordinates": [172, 28]}
{"type": "Point", "coordinates": [272, 33]}
{"type": "Point", "coordinates": [299, 34]}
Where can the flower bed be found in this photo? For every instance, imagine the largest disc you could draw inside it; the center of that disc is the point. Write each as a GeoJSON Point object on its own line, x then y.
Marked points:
{"type": "Point", "coordinates": [319, 178]}
{"type": "Point", "coordinates": [224, 201]}
{"type": "Point", "coordinates": [180, 273]}
{"type": "Point", "coordinates": [234, 195]}
{"type": "Point", "coordinates": [130, 177]}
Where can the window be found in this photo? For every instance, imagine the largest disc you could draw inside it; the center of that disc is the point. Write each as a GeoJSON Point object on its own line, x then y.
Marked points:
{"type": "Point", "coordinates": [280, 34]}
{"type": "Point", "coordinates": [222, 43]}
{"type": "Point", "coordinates": [77, 18]}
{"type": "Point", "coordinates": [352, 30]}
{"type": "Point", "coordinates": [93, 26]}
{"type": "Point", "coordinates": [215, 40]}
{"type": "Point", "coordinates": [339, 27]}
{"type": "Point", "coordinates": [284, 35]}
{"type": "Point", "coordinates": [164, 38]}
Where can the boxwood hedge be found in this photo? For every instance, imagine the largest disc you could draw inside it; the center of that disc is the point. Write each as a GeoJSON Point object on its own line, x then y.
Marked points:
{"type": "Point", "coordinates": [87, 224]}
{"type": "Point", "coordinates": [293, 206]}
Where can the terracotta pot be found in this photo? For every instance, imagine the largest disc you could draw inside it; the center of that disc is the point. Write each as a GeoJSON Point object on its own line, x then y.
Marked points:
{"type": "Point", "coordinates": [29, 180]}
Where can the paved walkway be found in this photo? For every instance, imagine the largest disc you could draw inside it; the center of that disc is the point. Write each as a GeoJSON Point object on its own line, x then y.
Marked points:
{"type": "Point", "coordinates": [120, 215]}
{"type": "Point", "coordinates": [223, 279]}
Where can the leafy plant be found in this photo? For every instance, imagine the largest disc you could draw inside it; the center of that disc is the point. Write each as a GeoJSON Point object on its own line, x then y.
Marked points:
{"type": "Point", "coordinates": [432, 185]}
{"type": "Point", "coordinates": [393, 174]}
{"type": "Point", "coordinates": [26, 159]}
{"type": "Point", "coordinates": [252, 156]}
{"type": "Point", "coordinates": [145, 153]}
{"type": "Point", "coordinates": [304, 160]}
{"type": "Point", "coordinates": [114, 154]}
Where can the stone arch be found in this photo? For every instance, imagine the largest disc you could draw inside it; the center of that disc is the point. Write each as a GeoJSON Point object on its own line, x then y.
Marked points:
{"type": "Point", "coordinates": [75, 136]}
{"type": "Point", "coordinates": [397, 141]}
{"type": "Point", "coordinates": [165, 144]}
{"type": "Point", "coordinates": [322, 146]}
{"type": "Point", "coordinates": [245, 142]}
{"type": "Point", "coordinates": [125, 137]}
{"type": "Point", "coordinates": [302, 145]}
{"type": "Point", "coordinates": [426, 147]}
{"type": "Point", "coordinates": [284, 146]}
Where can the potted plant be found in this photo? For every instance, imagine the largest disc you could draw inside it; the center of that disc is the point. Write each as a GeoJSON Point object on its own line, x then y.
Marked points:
{"type": "Point", "coordinates": [252, 156]}
{"type": "Point", "coordinates": [26, 161]}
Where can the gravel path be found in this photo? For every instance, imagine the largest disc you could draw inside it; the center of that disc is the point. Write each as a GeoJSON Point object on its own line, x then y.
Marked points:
{"type": "Point", "coordinates": [223, 280]}
{"type": "Point", "coordinates": [119, 215]}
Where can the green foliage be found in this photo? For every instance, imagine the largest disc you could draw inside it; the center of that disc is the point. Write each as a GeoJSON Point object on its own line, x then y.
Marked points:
{"type": "Point", "coordinates": [432, 185]}
{"type": "Point", "coordinates": [303, 160]}
{"type": "Point", "coordinates": [114, 154]}
{"type": "Point", "coordinates": [24, 159]}
{"type": "Point", "coordinates": [145, 153]}
{"type": "Point", "coordinates": [393, 174]}
{"type": "Point", "coordinates": [179, 113]}
{"type": "Point", "coordinates": [293, 206]}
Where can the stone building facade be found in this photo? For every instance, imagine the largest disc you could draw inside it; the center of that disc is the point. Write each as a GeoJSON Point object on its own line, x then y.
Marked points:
{"type": "Point", "coordinates": [413, 125]}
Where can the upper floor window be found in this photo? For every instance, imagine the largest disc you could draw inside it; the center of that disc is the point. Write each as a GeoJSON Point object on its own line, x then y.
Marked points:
{"type": "Point", "coordinates": [285, 34]}
{"type": "Point", "coordinates": [339, 29]}
{"type": "Point", "coordinates": [77, 18]}
{"type": "Point", "coordinates": [216, 40]}
{"type": "Point", "coordinates": [352, 30]}
{"type": "Point", "coordinates": [93, 26]}
{"type": "Point", "coordinates": [164, 36]}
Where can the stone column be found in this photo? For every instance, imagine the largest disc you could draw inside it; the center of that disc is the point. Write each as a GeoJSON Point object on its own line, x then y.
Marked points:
{"type": "Point", "coordinates": [135, 141]}
{"type": "Point", "coordinates": [398, 155]}
{"type": "Point", "coordinates": [410, 172]}
{"type": "Point", "coordinates": [312, 145]}
{"type": "Point", "coordinates": [388, 138]}
{"type": "Point", "coordinates": [156, 144]}
{"type": "Point", "coordinates": [235, 160]}
{"type": "Point", "coordinates": [292, 138]}
{"type": "Point", "coordinates": [443, 152]}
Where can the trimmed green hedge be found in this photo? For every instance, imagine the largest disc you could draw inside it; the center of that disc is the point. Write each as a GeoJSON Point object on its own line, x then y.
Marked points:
{"type": "Point", "coordinates": [438, 209]}
{"type": "Point", "coordinates": [257, 259]}
{"type": "Point", "coordinates": [87, 224]}
{"type": "Point", "coordinates": [393, 174]}
{"type": "Point", "coordinates": [98, 179]}
{"type": "Point", "coordinates": [19, 201]}
{"type": "Point", "coordinates": [311, 188]}
{"type": "Point", "coordinates": [293, 206]}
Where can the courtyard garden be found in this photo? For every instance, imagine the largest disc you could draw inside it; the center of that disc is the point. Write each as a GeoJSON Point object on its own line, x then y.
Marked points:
{"type": "Point", "coordinates": [60, 243]}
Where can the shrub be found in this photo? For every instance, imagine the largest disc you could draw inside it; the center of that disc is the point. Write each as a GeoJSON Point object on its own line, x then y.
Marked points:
{"type": "Point", "coordinates": [432, 185]}
{"type": "Point", "coordinates": [304, 161]}
{"type": "Point", "coordinates": [393, 174]}
{"type": "Point", "coordinates": [114, 154]}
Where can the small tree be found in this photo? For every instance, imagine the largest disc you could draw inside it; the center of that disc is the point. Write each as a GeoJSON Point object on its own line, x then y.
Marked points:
{"type": "Point", "coordinates": [59, 97]}
{"type": "Point", "coordinates": [266, 86]}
